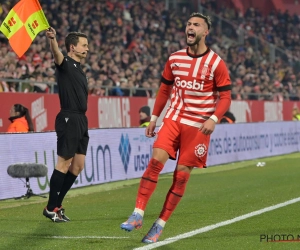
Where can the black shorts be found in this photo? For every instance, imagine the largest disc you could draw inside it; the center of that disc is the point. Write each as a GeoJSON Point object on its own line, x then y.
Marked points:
{"type": "Point", "coordinates": [72, 133]}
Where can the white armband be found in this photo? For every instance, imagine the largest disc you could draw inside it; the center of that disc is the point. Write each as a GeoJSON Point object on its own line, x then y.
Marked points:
{"type": "Point", "coordinates": [153, 118]}
{"type": "Point", "coordinates": [214, 118]}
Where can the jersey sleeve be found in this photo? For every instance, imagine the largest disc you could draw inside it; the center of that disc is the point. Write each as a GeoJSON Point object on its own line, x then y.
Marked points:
{"type": "Point", "coordinates": [167, 75]}
{"type": "Point", "coordinates": [223, 84]}
{"type": "Point", "coordinates": [222, 78]}
{"type": "Point", "coordinates": [167, 80]}
{"type": "Point", "coordinates": [63, 65]}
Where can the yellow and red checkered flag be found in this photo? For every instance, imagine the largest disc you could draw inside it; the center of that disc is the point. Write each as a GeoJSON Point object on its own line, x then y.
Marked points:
{"type": "Point", "coordinates": [22, 24]}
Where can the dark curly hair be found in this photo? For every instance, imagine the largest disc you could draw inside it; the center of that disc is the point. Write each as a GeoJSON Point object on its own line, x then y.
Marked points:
{"type": "Point", "coordinates": [207, 19]}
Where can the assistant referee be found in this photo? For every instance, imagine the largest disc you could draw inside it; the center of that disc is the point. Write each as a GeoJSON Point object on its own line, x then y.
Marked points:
{"type": "Point", "coordinates": [71, 124]}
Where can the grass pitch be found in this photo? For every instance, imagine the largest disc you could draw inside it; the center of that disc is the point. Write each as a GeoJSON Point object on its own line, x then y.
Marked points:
{"type": "Point", "coordinates": [212, 196]}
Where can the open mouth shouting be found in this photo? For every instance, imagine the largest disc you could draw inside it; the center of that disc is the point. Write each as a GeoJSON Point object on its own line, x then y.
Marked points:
{"type": "Point", "coordinates": [191, 36]}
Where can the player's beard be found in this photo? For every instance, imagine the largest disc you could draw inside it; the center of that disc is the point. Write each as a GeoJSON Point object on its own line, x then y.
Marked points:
{"type": "Point", "coordinates": [197, 40]}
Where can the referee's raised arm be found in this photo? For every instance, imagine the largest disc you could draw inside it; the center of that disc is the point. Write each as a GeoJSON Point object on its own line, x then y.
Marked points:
{"type": "Point", "coordinates": [58, 56]}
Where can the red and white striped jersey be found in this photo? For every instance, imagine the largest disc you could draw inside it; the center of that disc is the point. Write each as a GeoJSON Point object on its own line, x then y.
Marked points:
{"type": "Point", "coordinates": [196, 80]}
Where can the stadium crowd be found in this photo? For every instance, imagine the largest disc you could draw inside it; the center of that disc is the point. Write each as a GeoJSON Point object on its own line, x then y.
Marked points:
{"type": "Point", "coordinates": [129, 42]}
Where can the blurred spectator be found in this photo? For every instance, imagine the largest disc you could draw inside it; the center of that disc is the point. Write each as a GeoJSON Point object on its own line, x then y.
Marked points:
{"type": "Point", "coordinates": [40, 86]}
{"type": "Point", "coordinates": [124, 87]}
{"type": "Point", "coordinates": [228, 117]}
{"type": "Point", "coordinates": [20, 119]}
{"type": "Point", "coordinates": [146, 91]}
{"type": "Point", "coordinates": [296, 114]}
{"type": "Point", "coordinates": [144, 113]}
{"type": "Point", "coordinates": [131, 40]}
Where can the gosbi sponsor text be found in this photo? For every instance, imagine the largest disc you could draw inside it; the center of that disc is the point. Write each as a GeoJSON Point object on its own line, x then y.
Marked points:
{"type": "Point", "coordinates": [188, 84]}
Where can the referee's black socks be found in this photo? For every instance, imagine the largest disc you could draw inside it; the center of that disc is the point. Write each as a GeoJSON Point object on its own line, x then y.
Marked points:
{"type": "Point", "coordinates": [56, 183]}
{"type": "Point", "coordinates": [68, 182]}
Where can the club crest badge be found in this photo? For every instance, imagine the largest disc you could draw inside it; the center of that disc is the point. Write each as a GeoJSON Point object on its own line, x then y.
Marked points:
{"type": "Point", "coordinates": [200, 150]}
{"type": "Point", "coordinates": [204, 71]}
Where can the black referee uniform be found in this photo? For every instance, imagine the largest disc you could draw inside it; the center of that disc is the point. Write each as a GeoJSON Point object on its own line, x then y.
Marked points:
{"type": "Point", "coordinates": [71, 124]}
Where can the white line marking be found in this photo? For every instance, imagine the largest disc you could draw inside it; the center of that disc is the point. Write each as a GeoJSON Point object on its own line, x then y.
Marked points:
{"type": "Point", "coordinates": [214, 226]}
{"type": "Point", "coordinates": [85, 237]}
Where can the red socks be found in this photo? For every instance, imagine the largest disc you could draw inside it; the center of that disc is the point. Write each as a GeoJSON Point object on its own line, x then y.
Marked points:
{"type": "Point", "coordinates": [175, 193]}
{"type": "Point", "coordinates": [148, 183]}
